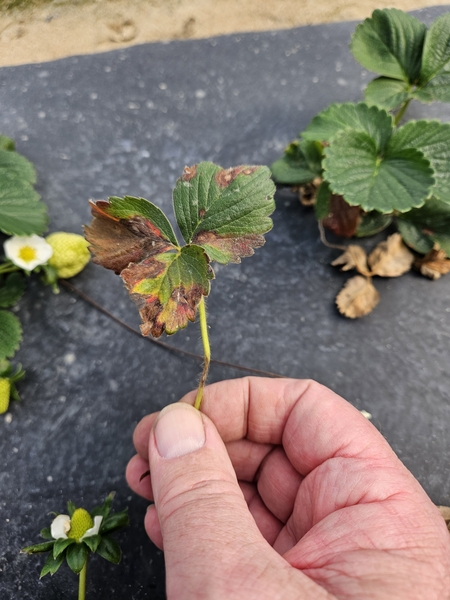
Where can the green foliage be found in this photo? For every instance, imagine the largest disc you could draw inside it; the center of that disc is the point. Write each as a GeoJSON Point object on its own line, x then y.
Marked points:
{"type": "Point", "coordinates": [109, 549]}
{"type": "Point", "coordinates": [52, 565]}
{"type": "Point", "coordinates": [301, 163]}
{"type": "Point", "coordinates": [372, 163]}
{"type": "Point", "coordinates": [12, 288]}
{"type": "Point", "coordinates": [76, 556]}
{"type": "Point", "coordinates": [21, 211]}
{"type": "Point", "coordinates": [222, 215]}
{"type": "Point", "coordinates": [10, 334]}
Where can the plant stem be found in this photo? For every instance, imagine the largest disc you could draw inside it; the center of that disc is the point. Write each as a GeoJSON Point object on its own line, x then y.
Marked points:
{"type": "Point", "coordinates": [82, 582]}
{"type": "Point", "coordinates": [206, 352]}
{"type": "Point", "coordinates": [401, 112]}
{"type": "Point", "coordinates": [8, 268]}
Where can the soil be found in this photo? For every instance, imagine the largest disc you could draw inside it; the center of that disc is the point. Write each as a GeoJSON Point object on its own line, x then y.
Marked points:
{"type": "Point", "coordinates": [41, 30]}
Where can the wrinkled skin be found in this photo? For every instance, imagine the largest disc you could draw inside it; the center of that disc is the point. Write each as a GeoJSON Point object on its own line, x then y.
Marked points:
{"type": "Point", "coordinates": [294, 495]}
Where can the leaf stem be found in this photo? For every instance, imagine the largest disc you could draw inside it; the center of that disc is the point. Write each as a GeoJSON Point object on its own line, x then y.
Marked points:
{"type": "Point", "coordinates": [8, 267]}
{"type": "Point", "coordinates": [401, 112]}
{"type": "Point", "coordinates": [206, 352]}
{"type": "Point", "coordinates": [82, 582]}
{"type": "Point", "coordinates": [324, 240]}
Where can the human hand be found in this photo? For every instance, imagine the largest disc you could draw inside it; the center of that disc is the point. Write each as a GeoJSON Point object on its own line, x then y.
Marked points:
{"type": "Point", "coordinates": [280, 489]}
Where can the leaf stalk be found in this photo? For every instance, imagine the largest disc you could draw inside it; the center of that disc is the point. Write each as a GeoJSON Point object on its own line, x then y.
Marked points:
{"type": "Point", "coordinates": [401, 112]}
{"type": "Point", "coordinates": [206, 352]}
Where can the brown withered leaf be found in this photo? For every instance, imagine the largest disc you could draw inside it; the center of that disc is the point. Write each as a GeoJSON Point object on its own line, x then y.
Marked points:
{"type": "Point", "coordinates": [307, 192]}
{"type": "Point", "coordinates": [343, 219]}
{"type": "Point", "coordinates": [354, 257]}
{"type": "Point", "coordinates": [434, 264]}
{"type": "Point", "coordinates": [391, 258]}
{"type": "Point", "coordinates": [357, 298]}
{"type": "Point", "coordinates": [445, 512]}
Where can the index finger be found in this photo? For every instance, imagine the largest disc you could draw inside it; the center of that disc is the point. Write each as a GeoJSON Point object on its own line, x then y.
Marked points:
{"type": "Point", "coordinates": [311, 422]}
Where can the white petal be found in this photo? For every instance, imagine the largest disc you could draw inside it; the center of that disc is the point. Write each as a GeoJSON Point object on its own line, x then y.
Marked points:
{"type": "Point", "coordinates": [13, 246]}
{"type": "Point", "coordinates": [94, 530]}
{"type": "Point", "coordinates": [60, 526]}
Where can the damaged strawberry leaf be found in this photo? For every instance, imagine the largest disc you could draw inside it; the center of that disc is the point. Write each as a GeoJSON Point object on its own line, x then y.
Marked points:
{"type": "Point", "coordinates": [222, 214]}
{"type": "Point", "coordinates": [375, 172]}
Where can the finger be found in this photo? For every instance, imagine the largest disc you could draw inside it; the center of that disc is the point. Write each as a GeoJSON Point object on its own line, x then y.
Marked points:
{"type": "Point", "coordinates": [267, 523]}
{"type": "Point", "coordinates": [141, 485]}
{"type": "Point", "coordinates": [142, 433]}
{"type": "Point", "coordinates": [152, 527]}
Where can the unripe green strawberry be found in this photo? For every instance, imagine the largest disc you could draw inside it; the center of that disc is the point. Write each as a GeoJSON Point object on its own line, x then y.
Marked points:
{"type": "Point", "coordinates": [70, 253]}
{"type": "Point", "coordinates": [5, 392]}
{"type": "Point", "coordinates": [80, 522]}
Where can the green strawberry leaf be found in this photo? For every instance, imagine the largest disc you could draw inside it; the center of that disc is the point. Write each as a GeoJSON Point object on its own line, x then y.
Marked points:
{"type": "Point", "coordinates": [76, 556]}
{"type": "Point", "coordinates": [372, 223]}
{"type": "Point", "coordinates": [433, 139]}
{"type": "Point", "coordinates": [390, 43]}
{"type": "Point", "coordinates": [432, 218]}
{"type": "Point", "coordinates": [167, 288]}
{"type": "Point", "coordinates": [300, 164]}
{"type": "Point", "coordinates": [377, 123]}
{"type": "Point", "coordinates": [323, 198]}
{"type": "Point", "coordinates": [61, 545]}
{"type": "Point", "coordinates": [35, 548]}
{"type": "Point", "coordinates": [435, 71]}
{"type": "Point", "coordinates": [414, 238]}
{"type": "Point", "coordinates": [397, 180]}
{"type": "Point", "coordinates": [387, 93]}
{"type": "Point", "coordinates": [71, 508]}
{"type": "Point", "coordinates": [51, 565]}
{"type": "Point", "coordinates": [114, 522]}
{"type": "Point", "coordinates": [10, 334]}
{"type": "Point", "coordinates": [11, 289]}
{"type": "Point", "coordinates": [15, 166]}
{"type": "Point", "coordinates": [225, 211]}
{"type": "Point", "coordinates": [109, 549]}
{"type": "Point", "coordinates": [104, 509]}
{"type": "Point", "coordinates": [46, 534]}
{"type": "Point", "coordinates": [92, 542]}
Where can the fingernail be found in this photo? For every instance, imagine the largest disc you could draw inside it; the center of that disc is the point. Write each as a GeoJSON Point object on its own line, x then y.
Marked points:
{"type": "Point", "coordinates": [179, 430]}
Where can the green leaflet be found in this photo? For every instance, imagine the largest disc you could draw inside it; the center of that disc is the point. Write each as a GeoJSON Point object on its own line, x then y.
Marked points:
{"type": "Point", "coordinates": [109, 549]}
{"type": "Point", "coordinates": [413, 237]}
{"type": "Point", "coordinates": [129, 207]}
{"type": "Point", "coordinates": [387, 93]}
{"type": "Point", "coordinates": [21, 212]}
{"type": "Point", "coordinates": [11, 289]}
{"type": "Point", "coordinates": [433, 139]}
{"type": "Point", "coordinates": [323, 197]}
{"type": "Point", "coordinates": [372, 223]}
{"type": "Point", "coordinates": [377, 123]}
{"type": "Point", "coordinates": [167, 288]}
{"type": "Point", "coordinates": [301, 163]}
{"type": "Point", "coordinates": [433, 216]}
{"type": "Point", "coordinates": [435, 72]}
{"type": "Point", "coordinates": [76, 556]}
{"type": "Point", "coordinates": [60, 545]}
{"type": "Point", "coordinates": [225, 211]}
{"type": "Point", "coordinates": [51, 565]}
{"type": "Point", "coordinates": [92, 542]}
{"type": "Point", "coordinates": [390, 43]}
{"type": "Point", "coordinates": [397, 180]}
{"type": "Point", "coordinates": [10, 334]}
{"type": "Point", "coordinates": [36, 548]}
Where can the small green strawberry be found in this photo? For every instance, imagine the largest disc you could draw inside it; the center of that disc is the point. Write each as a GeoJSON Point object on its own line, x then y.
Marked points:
{"type": "Point", "coordinates": [8, 381]}
{"type": "Point", "coordinates": [5, 394]}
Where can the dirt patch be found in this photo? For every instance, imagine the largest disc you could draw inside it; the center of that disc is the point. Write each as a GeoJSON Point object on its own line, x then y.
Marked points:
{"type": "Point", "coordinates": [41, 30]}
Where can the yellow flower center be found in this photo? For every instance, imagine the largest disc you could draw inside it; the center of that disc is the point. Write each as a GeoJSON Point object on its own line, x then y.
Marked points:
{"type": "Point", "coordinates": [27, 254]}
{"type": "Point", "coordinates": [80, 522]}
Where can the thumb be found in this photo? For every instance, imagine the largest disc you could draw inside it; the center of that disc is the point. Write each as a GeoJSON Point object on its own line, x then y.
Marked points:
{"type": "Point", "coordinates": [206, 527]}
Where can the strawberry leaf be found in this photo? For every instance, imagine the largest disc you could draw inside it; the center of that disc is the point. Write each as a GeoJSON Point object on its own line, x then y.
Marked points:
{"type": "Point", "coordinates": [225, 211]}
{"type": "Point", "coordinates": [167, 288]}
{"type": "Point", "coordinates": [300, 163]}
{"type": "Point", "coordinates": [10, 334]}
{"type": "Point", "coordinates": [386, 93]}
{"type": "Point", "coordinates": [435, 71]}
{"type": "Point", "coordinates": [390, 43]}
{"type": "Point", "coordinates": [126, 230]}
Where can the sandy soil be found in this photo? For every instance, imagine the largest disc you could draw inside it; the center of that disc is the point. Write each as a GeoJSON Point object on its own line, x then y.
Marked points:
{"type": "Point", "coordinates": [67, 27]}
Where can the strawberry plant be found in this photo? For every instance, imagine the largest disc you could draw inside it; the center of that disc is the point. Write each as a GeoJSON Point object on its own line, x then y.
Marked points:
{"type": "Point", "coordinates": [365, 171]}
{"type": "Point", "coordinates": [222, 215]}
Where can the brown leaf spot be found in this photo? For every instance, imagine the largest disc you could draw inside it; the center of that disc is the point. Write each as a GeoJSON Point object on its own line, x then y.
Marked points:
{"type": "Point", "coordinates": [391, 258]}
{"type": "Point", "coordinates": [354, 257]}
{"type": "Point", "coordinates": [357, 298]}
{"type": "Point", "coordinates": [115, 243]}
{"type": "Point", "coordinates": [343, 219]}
{"type": "Point", "coordinates": [434, 264]}
{"type": "Point", "coordinates": [226, 176]}
{"type": "Point", "coordinates": [189, 173]}
{"type": "Point", "coordinates": [234, 247]}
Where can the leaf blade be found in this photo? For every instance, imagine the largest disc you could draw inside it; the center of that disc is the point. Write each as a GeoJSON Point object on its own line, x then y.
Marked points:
{"type": "Point", "coordinates": [76, 556]}
{"type": "Point", "coordinates": [10, 334]}
{"type": "Point", "coordinates": [110, 550]}
{"type": "Point", "coordinates": [51, 565]}
{"type": "Point", "coordinates": [12, 289]}
{"type": "Point", "coordinates": [435, 71]}
{"type": "Point", "coordinates": [386, 93]}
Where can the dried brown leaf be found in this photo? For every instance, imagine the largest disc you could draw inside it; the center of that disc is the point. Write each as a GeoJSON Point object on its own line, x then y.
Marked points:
{"type": "Point", "coordinates": [357, 298]}
{"type": "Point", "coordinates": [445, 512]}
{"type": "Point", "coordinates": [391, 258]}
{"type": "Point", "coordinates": [354, 257]}
{"type": "Point", "coordinates": [343, 219]}
{"type": "Point", "coordinates": [434, 264]}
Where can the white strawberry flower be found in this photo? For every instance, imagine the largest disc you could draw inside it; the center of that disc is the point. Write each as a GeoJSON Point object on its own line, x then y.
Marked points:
{"type": "Point", "coordinates": [27, 252]}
